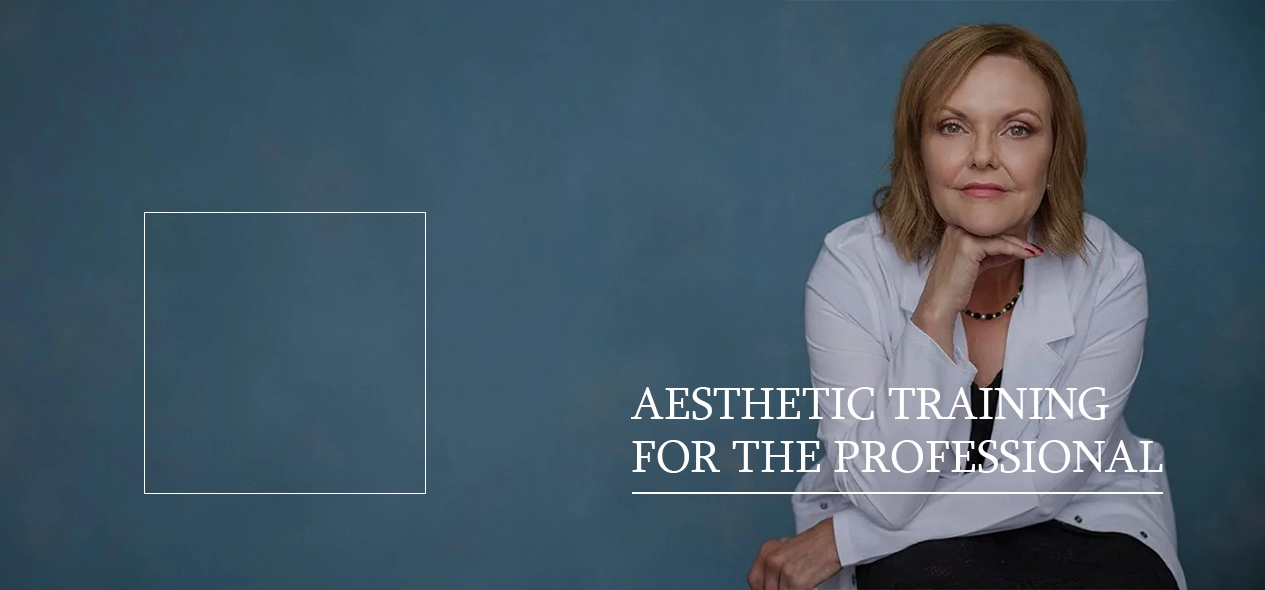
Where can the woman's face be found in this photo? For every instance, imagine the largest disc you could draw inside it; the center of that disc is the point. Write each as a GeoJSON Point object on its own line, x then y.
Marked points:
{"type": "Point", "coordinates": [988, 151]}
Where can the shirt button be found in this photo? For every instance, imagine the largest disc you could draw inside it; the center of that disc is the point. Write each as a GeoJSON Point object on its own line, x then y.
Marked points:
{"type": "Point", "coordinates": [825, 505]}
{"type": "Point", "coordinates": [1077, 518]}
{"type": "Point", "coordinates": [1144, 535]}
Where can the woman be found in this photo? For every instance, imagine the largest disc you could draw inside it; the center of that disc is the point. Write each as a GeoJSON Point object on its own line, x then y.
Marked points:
{"type": "Point", "coordinates": [978, 269]}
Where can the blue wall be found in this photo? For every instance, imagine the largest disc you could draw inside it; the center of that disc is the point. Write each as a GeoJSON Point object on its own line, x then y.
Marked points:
{"type": "Point", "coordinates": [619, 195]}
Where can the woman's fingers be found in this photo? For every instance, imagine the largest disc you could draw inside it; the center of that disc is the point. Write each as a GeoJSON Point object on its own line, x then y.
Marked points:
{"type": "Point", "coordinates": [995, 260]}
{"type": "Point", "coordinates": [1003, 250]}
{"type": "Point", "coordinates": [761, 574]}
{"type": "Point", "coordinates": [755, 576]}
{"type": "Point", "coordinates": [1007, 246]}
{"type": "Point", "coordinates": [1034, 249]}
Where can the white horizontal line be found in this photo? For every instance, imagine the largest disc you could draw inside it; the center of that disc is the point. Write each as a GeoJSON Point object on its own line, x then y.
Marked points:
{"type": "Point", "coordinates": [285, 493]}
{"type": "Point", "coordinates": [895, 493]}
{"type": "Point", "coordinates": [995, 0]}
{"type": "Point", "coordinates": [285, 212]}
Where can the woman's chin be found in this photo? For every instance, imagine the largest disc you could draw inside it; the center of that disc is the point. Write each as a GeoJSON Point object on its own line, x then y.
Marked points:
{"type": "Point", "coordinates": [985, 228]}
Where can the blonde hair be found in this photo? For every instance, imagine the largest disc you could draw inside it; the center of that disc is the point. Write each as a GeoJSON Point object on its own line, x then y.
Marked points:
{"type": "Point", "coordinates": [909, 218]}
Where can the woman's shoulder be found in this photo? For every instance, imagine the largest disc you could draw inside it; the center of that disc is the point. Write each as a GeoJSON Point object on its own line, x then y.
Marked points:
{"type": "Point", "coordinates": [858, 231]}
{"type": "Point", "coordinates": [860, 239]}
{"type": "Point", "coordinates": [1107, 252]}
{"type": "Point", "coordinates": [859, 248]}
{"type": "Point", "coordinates": [1105, 241]}
{"type": "Point", "coordinates": [858, 270]}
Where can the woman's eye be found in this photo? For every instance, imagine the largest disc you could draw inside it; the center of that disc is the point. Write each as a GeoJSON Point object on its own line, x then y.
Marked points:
{"type": "Point", "coordinates": [1019, 131]}
{"type": "Point", "coordinates": [950, 128]}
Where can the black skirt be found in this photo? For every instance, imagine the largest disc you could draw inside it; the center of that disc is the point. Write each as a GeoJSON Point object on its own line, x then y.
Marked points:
{"type": "Point", "coordinates": [1051, 554]}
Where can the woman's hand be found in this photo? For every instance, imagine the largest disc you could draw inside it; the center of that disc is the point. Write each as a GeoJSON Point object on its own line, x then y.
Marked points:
{"type": "Point", "coordinates": [960, 259]}
{"type": "Point", "coordinates": [800, 562]}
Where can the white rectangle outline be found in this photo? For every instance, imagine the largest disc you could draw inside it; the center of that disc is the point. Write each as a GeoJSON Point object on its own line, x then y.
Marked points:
{"type": "Point", "coordinates": [145, 354]}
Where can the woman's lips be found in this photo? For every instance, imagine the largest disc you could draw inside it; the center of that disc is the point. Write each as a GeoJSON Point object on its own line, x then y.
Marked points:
{"type": "Point", "coordinates": [983, 191]}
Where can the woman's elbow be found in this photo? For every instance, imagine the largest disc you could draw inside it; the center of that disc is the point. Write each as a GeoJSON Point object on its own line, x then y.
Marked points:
{"type": "Point", "coordinates": [892, 511]}
{"type": "Point", "coordinates": [888, 511]}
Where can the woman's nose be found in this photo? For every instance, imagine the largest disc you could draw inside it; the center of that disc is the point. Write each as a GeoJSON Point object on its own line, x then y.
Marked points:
{"type": "Point", "coordinates": [983, 152]}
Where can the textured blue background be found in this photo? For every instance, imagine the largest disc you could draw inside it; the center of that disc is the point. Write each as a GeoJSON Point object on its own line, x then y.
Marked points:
{"type": "Point", "coordinates": [620, 195]}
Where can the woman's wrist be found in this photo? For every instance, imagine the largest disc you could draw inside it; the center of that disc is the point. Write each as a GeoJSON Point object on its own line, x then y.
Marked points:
{"type": "Point", "coordinates": [929, 316]}
{"type": "Point", "coordinates": [936, 322]}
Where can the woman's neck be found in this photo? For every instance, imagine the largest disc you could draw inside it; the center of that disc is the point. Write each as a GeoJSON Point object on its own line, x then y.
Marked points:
{"type": "Point", "coordinates": [995, 287]}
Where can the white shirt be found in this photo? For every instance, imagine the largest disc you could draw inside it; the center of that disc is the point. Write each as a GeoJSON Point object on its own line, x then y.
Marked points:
{"type": "Point", "coordinates": [1076, 325]}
